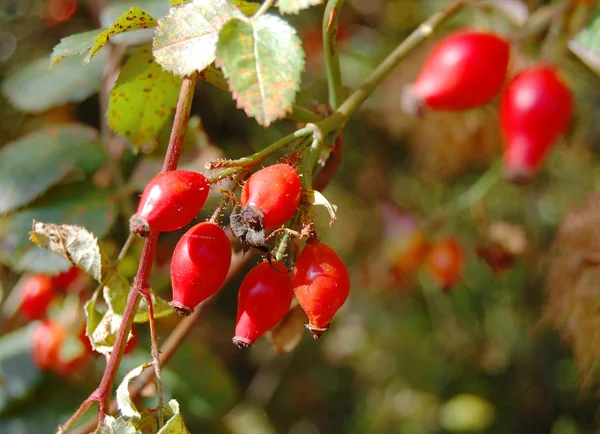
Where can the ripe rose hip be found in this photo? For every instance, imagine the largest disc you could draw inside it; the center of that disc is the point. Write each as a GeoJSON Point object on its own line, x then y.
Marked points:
{"type": "Point", "coordinates": [38, 293]}
{"type": "Point", "coordinates": [199, 266]}
{"type": "Point", "coordinates": [321, 285]}
{"type": "Point", "coordinates": [63, 280]}
{"type": "Point", "coordinates": [264, 298]}
{"type": "Point", "coordinates": [55, 349]}
{"type": "Point", "coordinates": [169, 202]}
{"type": "Point", "coordinates": [465, 70]}
{"type": "Point", "coordinates": [446, 262]}
{"type": "Point", "coordinates": [535, 111]}
{"type": "Point", "coordinates": [274, 192]}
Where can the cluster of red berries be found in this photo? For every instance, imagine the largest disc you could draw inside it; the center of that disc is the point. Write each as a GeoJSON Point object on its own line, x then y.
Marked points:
{"type": "Point", "coordinates": [468, 69]}
{"type": "Point", "coordinates": [202, 257]}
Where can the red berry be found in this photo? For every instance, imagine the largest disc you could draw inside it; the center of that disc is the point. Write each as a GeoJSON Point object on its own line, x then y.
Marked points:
{"type": "Point", "coordinates": [170, 201]}
{"type": "Point", "coordinates": [265, 297]}
{"type": "Point", "coordinates": [446, 262]}
{"type": "Point", "coordinates": [38, 293]}
{"type": "Point", "coordinates": [274, 192]}
{"type": "Point", "coordinates": [63, 280]}
{"type": "Point", "coordinates": [199, 266]}
{"type": "Point", "coordinates": [321, 285]}
{"type": "Point", "coordinates": [46, 339]}
{"type": "Point", "coordinates": [535, 110]}
{"type": "Point", "coordinates": [465, 70]}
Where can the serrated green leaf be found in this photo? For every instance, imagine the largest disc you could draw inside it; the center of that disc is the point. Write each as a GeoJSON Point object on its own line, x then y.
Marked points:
{"type": "Point", "coordinates": [586, 46]}
{"type": "Point", "coordinates": [245, 7]}
{"type": "Point", "coordinates": [72, 45]}
{"type": "Point", "coordinates": [126, 406]}
{"type": "Point", "coordinates": [262, 60]}
{"type": "Point", "coordinates": [111, 425]}
{"type": "Point", "coordinates": [74, 243]}
{"type": "Point", "coordinates": [175, 424]}
{"type": "Point", "coordinates": [81, 204]}
{"type": "Point", "coordinates": [295, 6]}
{"type": "Point", "coordinates": [143, 98]}
{"type": "Point", "coordinates": [133, 19]}
{"type": "Point", "coordinates": [186, 38]}
{"type": "Point", "coordinates": [35, 88]}
{"type": "Point", "coordinates": [30, 165]}
{"type": "Point", "coordinates": [161, 309]}
{"type": "Point", "coordinates": [115, 293]}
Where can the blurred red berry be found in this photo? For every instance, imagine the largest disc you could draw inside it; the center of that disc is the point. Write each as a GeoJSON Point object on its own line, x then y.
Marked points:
{"type": "Point", "coordinates": [38, 293]}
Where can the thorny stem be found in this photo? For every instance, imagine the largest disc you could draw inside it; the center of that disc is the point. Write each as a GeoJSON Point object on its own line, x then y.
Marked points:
{"type": "Point", "coordinates": [332, 61]}
{"type": "Point", "coordinates": [147, 294]}
{"type": "Point", "coordinates": [216, 215]}
{"type": "Point", "coordinates": [104, 390]}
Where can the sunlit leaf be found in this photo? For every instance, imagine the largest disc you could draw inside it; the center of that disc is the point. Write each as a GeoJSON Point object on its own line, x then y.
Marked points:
{"type": "Point", "coordinates": [262, 60]}
{"type": "Point", "coordinates": [124, 402]}
{"type": "Point", "coordinates": [143, 98]}
{"type": "Point", "coordinates": [315, 197]}
{"type": "Point", "coordinates": [245, 7]}
{"type": "Point", "coordinates": [74, 243]}
{"type": "Point", "coordinates": [93, 318]}
{"type": "Point", "coordinates": [72, 45]}
{"type": "Point", "coordinates": [295, 6]}
{"type": "Point", "coordinates": [185, 39]}
{"type": "Point", "coordinates": [175, 424]}
{"type": "Point", "coordinates": [112, 425]}
{"type": "Point", "coordinates": [161, 309]}
{"type": "Point", "coordinates": [36, 161]}
{"type": "Point", "coordinates": [35, 88]}
{"type": "Point", "coordinates": [80, 204]}
{"type": "Point", "coordinates": [133, 19]}
{"type": "Point", "coordinates": [115, 293]}
{"type": "Point", "coordinates": [104, 335]}
{"type": "Point", "coordinates": [586, 46]}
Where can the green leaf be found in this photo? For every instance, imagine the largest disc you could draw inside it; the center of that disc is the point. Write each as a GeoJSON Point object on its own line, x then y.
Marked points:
{"type": "Point", "coordinates": [295, 6]}
{"type": "Point", "coordinates": [207, 394]}
{"type": "Point", "coordinates": [74, 243]}
{"type": "Point", "coordinates": [116, 426]}
{"type": "Point", "coordinates": [18, 374]}
{"type": "Point", "coordinates": [262, 60]}
{"type": "Point", "coordinates": [126, 406]}
{"type": "Point", "coordinates": [78, 43]}
{"type": "Point", "coordinates": [115, 293]}
{"type": "Point", "coordinates": [143, 98]}
{"type": "Point", "coordinates": [104, 335]}
{"type": "Point", "coordinates": [186, 38]}
{"type": "Point", "coordinates": [175, 424]}
{"type": "Point", "coordinates": [133, 19]}
{"type": "Point", "coordinates": [245, 7]}
{"type": "Point", "coordinates": [34, 88]}
{"type": "Point", "coordinates": [161, 309]}
{"type": "Point", "coordinates": [586, 46]}
{"type": "Point", "coordinates": [30, 165]}
{"type": "Point", "coordinates": [81, 204]}
{"type": "Point", "coordinates": [93, 318]}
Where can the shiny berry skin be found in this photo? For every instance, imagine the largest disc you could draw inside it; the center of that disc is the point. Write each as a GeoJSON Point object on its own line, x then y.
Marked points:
{"type": "Point", "coordinates": [465, 70]}
{"type": "Point", "coordinates": [170, 201]}
{"type": "Point", "coordinates": [199, 266]}
{"type": "Point", "coordinates": [264, 298]}
{"type": "Point", "coordinates": [446, 262]}
{"type": "Point", "coordinates": [535, 110]}
{"type": "Point", "coordinates": [321, 284]}
{"type": "Point", "coordinates": [62, 281]}
{"type": "Point", "coordinates": [38, 293]}
{"type": "Point", "coordinates": [274, 192]}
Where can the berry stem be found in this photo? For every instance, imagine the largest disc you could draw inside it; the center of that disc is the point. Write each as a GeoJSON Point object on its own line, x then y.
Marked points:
{"type": "Point", "coordinates": [103, 392]}
{"type": "Point", "coordinates": [263, 9]}
{"type": "Point", "coordinates": [332, 61]}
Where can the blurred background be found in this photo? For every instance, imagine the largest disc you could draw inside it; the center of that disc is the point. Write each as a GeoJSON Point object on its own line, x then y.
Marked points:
{"type": "Point", "coordinates": [474, 302]}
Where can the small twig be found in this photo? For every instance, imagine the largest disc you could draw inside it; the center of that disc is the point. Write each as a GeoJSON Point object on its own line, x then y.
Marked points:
{"type": "Point", "coordinates": [330, 53]}
{"type": "Point", "coordinates": [147, 294]}
{"type": "Point", "coordinates": [263, 9]}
